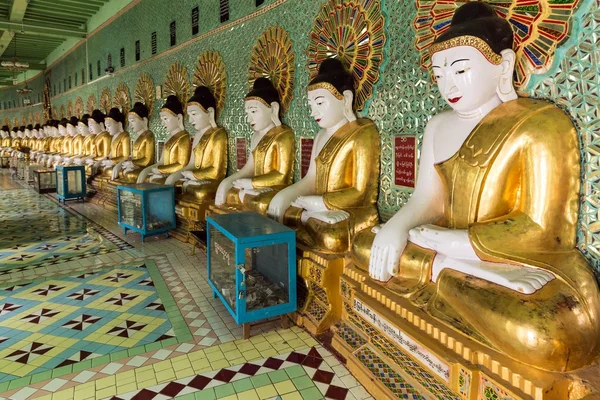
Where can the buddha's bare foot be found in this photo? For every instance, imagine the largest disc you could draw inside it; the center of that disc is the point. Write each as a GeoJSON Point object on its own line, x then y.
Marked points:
{"type": "Point", "coordinates": [526, 280]}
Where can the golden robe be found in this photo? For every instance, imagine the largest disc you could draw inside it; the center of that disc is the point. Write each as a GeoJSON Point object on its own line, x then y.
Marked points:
{"type": "Point", "coordinates": [176, 155]}
{"type": "Point", "coordinates": [273, 168]}
{"type": "Point", "coordinates": [347, 178]}
{"type": "Point", "coordinates": [120, 149]}
{"type": "Point", "coordinates": [514, 186]}
{"type": "Point", "coordinates": [102, 143]}
{"type": "Point", "coordinates": [142, 157]}
{"type": "Point", "coordinates": [210, 164]}
{"type": "Point", "coordinates": [77, 145]}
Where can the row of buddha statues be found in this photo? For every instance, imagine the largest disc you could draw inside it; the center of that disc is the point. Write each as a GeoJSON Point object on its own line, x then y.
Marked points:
{"type": "Point", "coordinates": [486, 243]}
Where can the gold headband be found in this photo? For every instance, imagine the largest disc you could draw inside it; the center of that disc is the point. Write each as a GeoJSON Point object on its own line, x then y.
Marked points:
{"type": "Point", "coordinates": [471, 41]}
{"type": "Point", "coordinates": [195, 103]}
{"type": "Point", "coordinates": [105, 118]}
{"type": "Point", "coordinates": [327, 86]}
{"type": "Point", "coordinates": [135, 115]}
{"type": "Point", "coordinates": [169, 111]}
{"type": "Point", "coordinates": [258, 99]}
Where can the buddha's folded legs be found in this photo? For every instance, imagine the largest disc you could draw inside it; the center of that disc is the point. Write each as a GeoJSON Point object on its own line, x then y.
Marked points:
{"type": "Point", "coordinates": [199, 193]}
{"type": "Point", "coordinates": [130, 176]}
{"type": "Point", "coordinates": [556, 328]}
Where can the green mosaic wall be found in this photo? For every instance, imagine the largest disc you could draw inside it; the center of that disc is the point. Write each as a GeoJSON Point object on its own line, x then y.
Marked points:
{"type": "Point", "coordinates": [405, 97]}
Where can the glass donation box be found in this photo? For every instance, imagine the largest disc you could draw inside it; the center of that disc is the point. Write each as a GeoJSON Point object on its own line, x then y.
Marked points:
{"type": "Point", "coordinates": [146, 208]}
{"type": "Point", "coordinates": [4, 161]}
{"type": "Point", "coordinates": [252, 266]}
{"type": "Point", "coordinates": [29, 178]}
{"type": "Point", "coordinates": [44, 180]}
{"type": "Point", "coordinates": [70, 183]}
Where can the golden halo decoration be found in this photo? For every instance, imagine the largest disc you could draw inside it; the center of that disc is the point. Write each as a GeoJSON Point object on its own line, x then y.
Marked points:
{"type": "Point", "coordinates": [7, 122]}
{"type": "Point", "coordinates": [62, 113]}
{"type": "Point", "coordinates": [354, 32]}
{"type": "Point", "coordinates": [30, 118]}
{"type": "Point", "coordinates": [79, 107]}
{"type": "Point", "coordinates": [37, 118]}
{"type": "Point", "coordinates": [122, 99]}
{"type": "Point", "coordinates": [144, 93]}
{"type": "Point", "coordinates": [210, 72]}
{"type": "Point", "coordinates": [539, 26]}
{"type": "Point", "coordinates": [16, 122]}
{"type": "Point", "coordinates": [24, 120]}
{"type": "Point", "coordinates": [105, 100]}
{"type": "Point", "coordinates": [69, 109]}
{"type": "Point", "coordinates": [273, 57]}
{"type": "Point", "coordinates": [90, 105]}
{"type": "Point", "coordinates": [54, 113]}
{"type": "Point", "coordinates": [177, 83]}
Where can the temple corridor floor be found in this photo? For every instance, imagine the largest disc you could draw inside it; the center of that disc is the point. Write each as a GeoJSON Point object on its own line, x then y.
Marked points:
{"type": "Point", "coordinates": [87, 313]}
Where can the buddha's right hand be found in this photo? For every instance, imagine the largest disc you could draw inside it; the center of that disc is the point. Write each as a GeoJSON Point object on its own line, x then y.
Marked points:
{"type": "Point", "coordinates": [386, 251]}
{"type": "Point", "coordinates": [188, 175]}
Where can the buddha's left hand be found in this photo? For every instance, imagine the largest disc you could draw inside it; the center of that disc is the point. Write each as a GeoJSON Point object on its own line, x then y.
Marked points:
{"type": "Point", "coordinates": [310, 203]}
{"type": "Point", "coordinates": [245, 183]}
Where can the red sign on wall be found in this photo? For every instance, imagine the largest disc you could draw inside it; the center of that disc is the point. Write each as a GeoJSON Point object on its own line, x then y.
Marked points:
{"type": "Point", "coordinates": [240, 148]}
{"type": "Point", "coordinates": [306, 145]}
{"type": "Point", "coordinates": [405, 161]}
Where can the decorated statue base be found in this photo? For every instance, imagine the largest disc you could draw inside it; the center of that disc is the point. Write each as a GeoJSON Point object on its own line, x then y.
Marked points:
{"type": "Point", "coordinates": [394, 349]}
{"type": "Point", "coordinates": [321, 273]}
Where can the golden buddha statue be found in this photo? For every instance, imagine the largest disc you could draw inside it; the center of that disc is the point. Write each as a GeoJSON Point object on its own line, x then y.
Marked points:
{"type": "Point", "coordinates": [88, 148]}
{"type": "Point", "coordinates": [120, 147]}
{"type": "Point", "coordinates": [129, 170]}
{"type": "Point", "coordinates": [208, 161]}
{"type": "Point", "coordinates": [6, 140]}
{"type": "Point", "coordinates": [176, 153]}
{"type": "Point", "coordinates": [338, 195]}
{"type": "Point", "coordinates": [271, 163]}
{"type": "Point", "coordinates": [102, 142]}
{"type": "Point", "coordinates": [64, 150]}
{"type": "Point", "coordinates": [486, 244]}
{"type": "Point", "coordinates": [77, 141]}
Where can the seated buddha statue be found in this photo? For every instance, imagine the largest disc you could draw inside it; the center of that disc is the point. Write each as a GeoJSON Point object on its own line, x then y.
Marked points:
{"type": "Point", "coordinates": [75, 141]}
{"type": "Point", "coordinates": [55, 143]}
{"type": "Point", "coordinates": [208, 161]}
{"type": "Point", "coordinates": [87, 146]}
{"type": "Point", "coordinates": [17, 141]}
{"type": "Point", "coordinates": [77, 145]}
{"type": "Point", "coordinates": [143, 147]}
{"type": "Point", "coordinates": [6, 140]}
{"type": "Point", "coordinates": [176, 153]}
{"type": "Point", "coordinates": [338, 195]}
{"type": "Point", "coordinates": [270, 165]}
{"type": "Point", "coordinates": [28, 137]}
{"type": "Point", "coordinates": [487, 241]}
{"type": "Point", "coordinates": [120, 147]}
{"type": "Point", "coordinates": [37, 139]}
{"type": "Point", "coordinates": [65, 148]}
{"type": "Point", "coordinates": [102, 142]}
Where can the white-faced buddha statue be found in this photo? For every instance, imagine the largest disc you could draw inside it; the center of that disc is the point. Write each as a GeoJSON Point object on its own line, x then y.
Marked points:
{"type": "Point", "coordinates": [487, 242]}
{"type": "Point", "coordinates": [338, 195]}
{"type": "Point", "coordinates": [176, 153]}
{"type": "Point", "coordinates": [270, 165]}
{"type": "Point", "coordinates": [143, 150]}
{"type": "Point", "coordinates": [120, 147]}
{"type": "Point", "coordinates": [208, 161]}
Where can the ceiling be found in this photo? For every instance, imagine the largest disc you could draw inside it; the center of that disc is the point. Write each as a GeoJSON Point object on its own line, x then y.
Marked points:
{"type": "Point", "coordinates": [32, 29]}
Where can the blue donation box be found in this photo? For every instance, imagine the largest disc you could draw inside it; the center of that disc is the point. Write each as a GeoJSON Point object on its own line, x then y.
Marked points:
{"type": "Point", "coordinates": [70, 183]}
{"type": "Point", "coordinates": [252, 266]}
{"type": "Point", "coordinates": [146, 208]}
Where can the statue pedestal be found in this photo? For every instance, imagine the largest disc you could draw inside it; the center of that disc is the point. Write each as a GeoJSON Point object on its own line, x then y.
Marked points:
{"type": "Point", "coordinates": [396, 349]}
{"type": "Point", "coordinates": [321, 273]}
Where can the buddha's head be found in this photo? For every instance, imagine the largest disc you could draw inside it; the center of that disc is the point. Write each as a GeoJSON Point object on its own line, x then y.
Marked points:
{"type": "Point", "coordinates": [331, 95]}
{"type": "Point", "coordinates": [27, 130]}
{"type": "Point", "coordinates": [473, 61]}
{"type": "Point", "coordinates": [262, 105]}
{"type": "Point", "coordinates": [15, 132]}
{"type": "Point", "coordinates": [54, 128]}
{"type": "Point", "coordinates": [82, 125]}
{"type": "Point", "coordinates": [62, 127]}
{"type": "Point", "coordinates": [201, 109]}
{"type": "Point", "coordinates": [35, 132]}
{"type": "Point", "coordinates": [72, 126]}
{"type": "Point", "coordinates": [138, 118]}
{"type": "Point", "coordinates": [21, 132]}
{"type": "Point", "coordinates": [171, 115]}
{"type": "Point", "coordinates": [96, 122]}
{"type": "Point", "coordinates": [5, 131]}
{"type": "Point", "coordinates": [114, 121]}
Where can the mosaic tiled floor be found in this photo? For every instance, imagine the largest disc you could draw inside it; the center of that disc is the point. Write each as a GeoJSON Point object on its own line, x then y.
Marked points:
{"type": "Point", "coordinates": [140, 322]}
{"type": "Point", "coordinates": [36, 230]}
